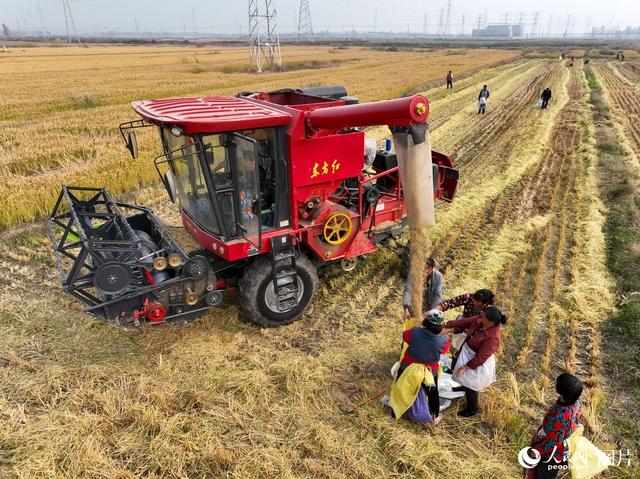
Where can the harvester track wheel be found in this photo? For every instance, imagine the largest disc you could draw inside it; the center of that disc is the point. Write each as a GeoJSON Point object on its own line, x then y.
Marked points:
{"type": "Point", "coordinates": [337, 228]}
{"type": "Point", "coordinates": [257, 297]}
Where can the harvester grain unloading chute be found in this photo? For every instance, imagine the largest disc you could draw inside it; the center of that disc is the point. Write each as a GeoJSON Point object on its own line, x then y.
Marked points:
{"type": "Point", "coordinates": [270, 185]}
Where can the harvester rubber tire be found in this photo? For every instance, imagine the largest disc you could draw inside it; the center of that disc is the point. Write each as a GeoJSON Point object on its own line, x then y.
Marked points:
{"type": "Point", "coordinates": [253, 286]}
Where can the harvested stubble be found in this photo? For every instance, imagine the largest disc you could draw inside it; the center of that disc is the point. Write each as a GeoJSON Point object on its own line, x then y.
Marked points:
{"type": "Point", "coordinates": [221, 398]}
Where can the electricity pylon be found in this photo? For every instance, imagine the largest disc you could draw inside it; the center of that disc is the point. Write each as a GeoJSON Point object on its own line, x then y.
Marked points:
{"type": "Point", "coordinates": [69, 22]}
{"type": "Point", "coordinates": [305, 28]}
{"type": "Point", "coordinates": [264, 43]}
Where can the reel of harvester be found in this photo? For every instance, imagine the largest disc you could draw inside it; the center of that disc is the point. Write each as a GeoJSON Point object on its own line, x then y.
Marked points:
{"type": "Point", "coordinates": [126, 268]}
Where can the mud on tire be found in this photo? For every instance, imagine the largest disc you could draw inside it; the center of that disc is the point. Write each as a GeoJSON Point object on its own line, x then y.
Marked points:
{"type": "Point", "coordinates": [254, 284]}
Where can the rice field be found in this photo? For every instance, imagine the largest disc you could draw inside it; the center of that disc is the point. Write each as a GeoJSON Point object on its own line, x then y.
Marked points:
{"type": "Point", "coordinates": [60, 107]}
{"type": "Point", "coordinates": [222, 398]}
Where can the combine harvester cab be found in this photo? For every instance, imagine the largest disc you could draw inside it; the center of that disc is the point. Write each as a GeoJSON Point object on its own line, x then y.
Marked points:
{"type": "Point", "coordinates": [270, 186]}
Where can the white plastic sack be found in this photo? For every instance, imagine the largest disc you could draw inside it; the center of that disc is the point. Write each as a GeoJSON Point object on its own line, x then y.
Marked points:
{"type": "Point", "coordinates": [539, 104]}
{"type": "Point", "coordinates": [370, 150]}
{"type": "Point", "coordinates": [394, 369]}
{"type": "Point", "coordinates": [446, 382]}
{"type": "Point", "coordinates": [585, 459]}
{"type": "Point", "coordinates": [457, 340]}
{"type": "Point", "coordinates": [445, 361]}
{"type": "Point", "coordinates": [444, 404]}
{"type": "Point", "coordinates": [478, 378]}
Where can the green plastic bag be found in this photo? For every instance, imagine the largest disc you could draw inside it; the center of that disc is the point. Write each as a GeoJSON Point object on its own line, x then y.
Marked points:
{"type": "Point", "coordinates": [585, 459]}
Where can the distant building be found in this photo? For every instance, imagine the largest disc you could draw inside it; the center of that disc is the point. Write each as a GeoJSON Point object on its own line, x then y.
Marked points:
{"type": "Point", "coordinates": [499, 30]}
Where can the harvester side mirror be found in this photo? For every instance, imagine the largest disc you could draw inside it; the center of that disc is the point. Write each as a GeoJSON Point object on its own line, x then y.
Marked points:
{"type": "Point", "coordinates": [132, 144]}
{"type": "Point", "coordinates": [169, 185]}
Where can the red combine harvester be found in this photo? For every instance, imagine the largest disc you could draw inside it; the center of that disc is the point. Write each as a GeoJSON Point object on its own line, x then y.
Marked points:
{"type": "Point", "coordinates": [271, 186]}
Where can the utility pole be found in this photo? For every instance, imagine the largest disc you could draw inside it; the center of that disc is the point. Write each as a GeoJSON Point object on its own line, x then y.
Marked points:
{"type": "Point", "coordinates": [461, 30]}
{"type": "Point", "coordinates": [441, 22]}
{"type": "Point", "coordinates": [264, 43]}
{"type": "Point", "coordinates": [305, 28]}
{"type": "Point", "coordinates": [69, 22]}
{"type": "Point", "coordinates": [424, 25]}
{"type": "Point", "coordinates": [375, 20]}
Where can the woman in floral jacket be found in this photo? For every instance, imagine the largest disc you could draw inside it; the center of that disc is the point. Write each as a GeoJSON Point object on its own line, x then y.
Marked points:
{"type": "Point", "coordinates": [559, 423]}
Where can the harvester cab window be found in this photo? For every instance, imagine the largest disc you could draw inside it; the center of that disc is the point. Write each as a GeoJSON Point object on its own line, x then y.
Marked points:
{"type": "Point", "coordinates": [190, 181]}
{"type": "Point", "coordinates": [266, 148]}
{"type": "Point", "coordinates": [217, 157]}
{"type": "Point", "coordinates": [246, 156]}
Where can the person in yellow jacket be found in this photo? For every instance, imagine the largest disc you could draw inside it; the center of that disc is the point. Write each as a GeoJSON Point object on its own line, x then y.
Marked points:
{"type": "Point", "coordinates": [415, 390]}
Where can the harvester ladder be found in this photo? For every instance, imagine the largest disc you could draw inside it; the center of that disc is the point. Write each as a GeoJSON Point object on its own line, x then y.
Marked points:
{"type": "Point", "coordinates": [285, 277]}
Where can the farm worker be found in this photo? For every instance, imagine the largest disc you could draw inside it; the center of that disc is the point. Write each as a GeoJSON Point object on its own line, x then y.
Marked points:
{"type": "Point", "coordinates": [482, 105]}
{"type": "Point", "coordinates": [484, 93]}
{"type": "Point", "coordinates": [370, 150]}
{"type": "Point", "coordinates": [546, 96]}
{"type": "Point", "coordinates": [424, 345]}
{"type": "Point", "coordinates": [474, 303]}
{"type": "Point", "coordinates": [449, 80]}
{"type": "Point", "coordinates": [559, 423]}
{"type": "Point", "coordinates": [483, 96]}
{"type": "Point", "coordinates": [474, 367]}
{"type": "Point", "coordinates": [433, 289]}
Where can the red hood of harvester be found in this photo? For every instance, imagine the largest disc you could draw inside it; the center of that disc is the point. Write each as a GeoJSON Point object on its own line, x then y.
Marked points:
{"type": "Point", "coordinates": [211, 114]}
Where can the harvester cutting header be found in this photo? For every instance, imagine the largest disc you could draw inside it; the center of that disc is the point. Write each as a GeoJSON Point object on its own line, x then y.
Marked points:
{"type": "Point", "coordinates": [270, 185]}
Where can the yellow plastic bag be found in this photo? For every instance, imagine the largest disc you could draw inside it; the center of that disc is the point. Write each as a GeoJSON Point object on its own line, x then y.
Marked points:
{"type": "Point", "coordinates": [585, 459]}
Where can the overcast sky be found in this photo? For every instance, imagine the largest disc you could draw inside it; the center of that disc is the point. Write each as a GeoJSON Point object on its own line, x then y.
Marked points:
{"type": "Point", "coordinates": [230, 16]}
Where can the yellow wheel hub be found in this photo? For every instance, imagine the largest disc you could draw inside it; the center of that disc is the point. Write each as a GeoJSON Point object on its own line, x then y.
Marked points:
{"type": "Point", "coordinates": [337, 228]}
